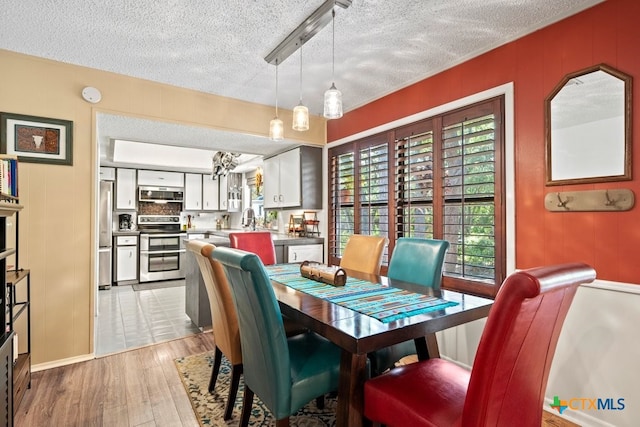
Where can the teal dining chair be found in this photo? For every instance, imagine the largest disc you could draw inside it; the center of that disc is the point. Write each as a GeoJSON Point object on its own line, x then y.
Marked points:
{"type": "Point", "coordinates": [261, 244]}
{"type": "Point", "coordinates": [284, 372]}
{"type": "Point", "coordinates": [417, 261]}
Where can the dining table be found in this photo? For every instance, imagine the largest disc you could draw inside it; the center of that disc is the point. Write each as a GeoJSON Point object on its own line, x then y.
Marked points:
{"type": "Point", "coordinates": [358, 332]}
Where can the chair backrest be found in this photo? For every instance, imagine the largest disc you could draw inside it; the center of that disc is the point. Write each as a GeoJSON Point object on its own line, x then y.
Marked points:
{"type": "Point", "coordinates": [257, 242]}
{"type": "Point", "coordinates": [224, 318]}
{"type": "Point", "coordinates": [418, 261]}
{"type": "Point", "coordinates": [265, 350]}
{"type": "Point", "coordinates": [511, 367]}
{"type": "Point", "coordinates": [364, 253]}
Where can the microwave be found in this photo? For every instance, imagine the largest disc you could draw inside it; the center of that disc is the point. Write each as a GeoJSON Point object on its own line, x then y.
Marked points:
{"type": "Point", "coordinates": [160, 194]}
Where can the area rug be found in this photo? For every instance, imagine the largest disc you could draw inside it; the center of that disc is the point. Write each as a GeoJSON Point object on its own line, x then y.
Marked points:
{"type": "Point", "coordinates": [195, 372]}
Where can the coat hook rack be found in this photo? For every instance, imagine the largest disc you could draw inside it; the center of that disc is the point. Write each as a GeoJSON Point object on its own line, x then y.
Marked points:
{"type": "Point", "coordinates": [613, 200]}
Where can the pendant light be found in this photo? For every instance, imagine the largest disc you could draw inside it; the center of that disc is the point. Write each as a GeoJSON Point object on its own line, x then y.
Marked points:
{"type": "Point", "coordinates": [300, 112]}
{"type": "Point", "coordinates": [333, 97]}
{"type": "Point", "coordinates": [276, 128]}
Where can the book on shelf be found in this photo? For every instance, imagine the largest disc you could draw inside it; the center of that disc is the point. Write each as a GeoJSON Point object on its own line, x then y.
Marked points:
{"type": "Point", "coordinates": [9, 175]}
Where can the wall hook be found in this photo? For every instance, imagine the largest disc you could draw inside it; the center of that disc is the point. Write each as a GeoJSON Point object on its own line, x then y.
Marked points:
{"type": "Point", "coordinates": [563, 203]}
{"type": "Point", "coordinates": [610, 201]}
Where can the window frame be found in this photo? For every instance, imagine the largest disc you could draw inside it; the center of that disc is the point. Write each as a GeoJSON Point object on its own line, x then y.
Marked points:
{"type": "Point", "coordinates": [436, 122]}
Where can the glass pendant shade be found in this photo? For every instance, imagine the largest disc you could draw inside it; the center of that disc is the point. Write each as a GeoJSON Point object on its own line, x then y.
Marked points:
{"type": "Point", "coordinates": [276, 129]}
{"type": "Point", "coordinates": [333, 103]}
{"type": "Point", "coordinates": [300, 118]}
{"type": "Point", "coordinates": [333, 97]}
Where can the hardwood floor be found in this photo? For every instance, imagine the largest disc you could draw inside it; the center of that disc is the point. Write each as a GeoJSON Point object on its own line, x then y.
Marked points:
{"type": "Point", "coordinates": [134, 388]}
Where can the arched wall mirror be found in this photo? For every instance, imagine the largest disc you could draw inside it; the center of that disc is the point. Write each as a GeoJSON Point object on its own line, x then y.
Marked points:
{"type": "Point", "coordinates": [588, 127]}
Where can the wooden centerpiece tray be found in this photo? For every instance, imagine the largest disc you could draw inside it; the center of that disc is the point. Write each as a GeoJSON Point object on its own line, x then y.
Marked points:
{"type": "Point", "coordinates": [329, 274]}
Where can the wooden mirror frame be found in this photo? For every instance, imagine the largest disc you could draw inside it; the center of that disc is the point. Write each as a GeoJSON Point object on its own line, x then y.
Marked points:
{"type": "Point", "coordinates": [627, 166]}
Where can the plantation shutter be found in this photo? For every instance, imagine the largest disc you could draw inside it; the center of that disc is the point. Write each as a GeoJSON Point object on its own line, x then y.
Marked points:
{"type": "Point", "coordinates": [469, 194]}
{"type": "Point", "coordinates": [342, 201]}
{"type": "Point", "coordinates": [414, 186]}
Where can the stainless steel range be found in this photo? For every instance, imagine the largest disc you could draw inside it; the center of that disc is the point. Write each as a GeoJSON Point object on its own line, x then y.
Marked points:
{"type": "Point", "coordinates": [162, 250]}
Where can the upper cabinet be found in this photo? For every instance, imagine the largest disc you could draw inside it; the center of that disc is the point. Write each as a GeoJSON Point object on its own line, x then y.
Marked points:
{"type": "Point", "coordinates": [107, 174]}
{"type": "Point", "coordinates": [193, 192]}
{"type": "Point", "coordinates": [126, 189]}
{"type": "Point", "coordinates": [224, 194]}
{"type": "Point", "coordinates": [160, 178]}
{"type": "Point", "coordinates": [210, 193]}
{"type": "Point", "coordinates": [293, 179]}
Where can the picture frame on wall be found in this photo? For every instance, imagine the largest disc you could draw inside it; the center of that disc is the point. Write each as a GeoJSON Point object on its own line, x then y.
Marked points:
{"type": "Point", "coordinates": [37, 139]}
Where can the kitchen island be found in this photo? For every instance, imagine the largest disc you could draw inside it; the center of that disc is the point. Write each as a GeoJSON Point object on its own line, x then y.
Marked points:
{"type": "Point", "coordinates": [288, 249]}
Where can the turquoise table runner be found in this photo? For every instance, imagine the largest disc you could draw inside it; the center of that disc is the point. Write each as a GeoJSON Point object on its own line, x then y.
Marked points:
{"type": "Point", "coordinates": [385, 304]}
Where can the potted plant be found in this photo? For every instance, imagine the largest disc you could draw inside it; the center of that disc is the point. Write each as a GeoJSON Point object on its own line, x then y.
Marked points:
{"type": "Point", "coordinates": [272, 220]}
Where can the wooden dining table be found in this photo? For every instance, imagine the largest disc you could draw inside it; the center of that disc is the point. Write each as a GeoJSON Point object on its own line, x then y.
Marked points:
{"type": "Point", "coordinates": [358, 334]}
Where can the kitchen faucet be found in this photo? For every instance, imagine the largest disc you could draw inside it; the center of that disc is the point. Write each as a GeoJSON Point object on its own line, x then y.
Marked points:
{"type": "Point", "coordinates": [249, 218]}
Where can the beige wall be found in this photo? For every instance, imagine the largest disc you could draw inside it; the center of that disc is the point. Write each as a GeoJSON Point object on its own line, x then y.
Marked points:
{"type": "Point", "coordinates": [57, 223]}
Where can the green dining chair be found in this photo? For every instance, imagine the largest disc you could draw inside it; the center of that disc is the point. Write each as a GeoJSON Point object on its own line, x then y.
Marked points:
{"type": "Point", "coordinates": [285, 372]}
{"type": "Point", "coordinates": [417, 261]}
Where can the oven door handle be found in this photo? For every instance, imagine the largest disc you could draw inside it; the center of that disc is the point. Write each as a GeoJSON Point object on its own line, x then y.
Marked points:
{"type": "Point", "coordinates": [177, 251]}
{"type": "Point", "coordinates": [163, 235]}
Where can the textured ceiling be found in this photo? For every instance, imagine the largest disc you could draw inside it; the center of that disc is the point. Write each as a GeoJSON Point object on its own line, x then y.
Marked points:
{"type": "Point", "coordinates": [219, 47]}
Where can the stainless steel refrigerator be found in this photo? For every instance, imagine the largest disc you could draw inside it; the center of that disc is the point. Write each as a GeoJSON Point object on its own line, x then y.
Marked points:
{"type": "Point", "coordinates": [105, 235]}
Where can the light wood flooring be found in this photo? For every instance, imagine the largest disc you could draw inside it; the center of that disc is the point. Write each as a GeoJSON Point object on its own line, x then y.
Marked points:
{"type": "Point", "coordinates": [135, 388]}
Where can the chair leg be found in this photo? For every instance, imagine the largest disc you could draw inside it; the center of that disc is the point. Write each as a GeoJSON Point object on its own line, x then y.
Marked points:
{"type": "Point", "coordinates": [427, 347]}
{"type": "Point", "coordinates": [284, 422]}
{"type": "Point", "coordinates": [247, 404]}
{"type": "Point", "coordinates": [236, 371]}
{"type": "Point", "coordinates": [320, 402]}
{"type": "Point", "coordinates": [217, 360]}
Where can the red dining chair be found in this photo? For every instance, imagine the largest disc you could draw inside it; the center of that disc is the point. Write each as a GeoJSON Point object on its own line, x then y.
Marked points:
{"type": "Point", "coordinates": [508, 380]}
{"type": "Point", "coordinates": [257, 242]}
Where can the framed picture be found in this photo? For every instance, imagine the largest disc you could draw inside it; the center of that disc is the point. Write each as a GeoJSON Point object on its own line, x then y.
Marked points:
{"type": "Point", "coordinates": [37, 139]}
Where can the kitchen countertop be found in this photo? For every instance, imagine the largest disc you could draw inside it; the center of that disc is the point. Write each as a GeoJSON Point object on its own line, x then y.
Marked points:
{"type": "Point", "coordinates": [278, 238]}
{"type": "Point", "coordinates": [126, 232]}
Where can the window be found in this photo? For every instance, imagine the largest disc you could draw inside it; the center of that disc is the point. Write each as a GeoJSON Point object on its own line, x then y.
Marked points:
{"type": "Point", "coordinates": [359, 193]}
{"type": "Point", "coordinates": [446, 178]}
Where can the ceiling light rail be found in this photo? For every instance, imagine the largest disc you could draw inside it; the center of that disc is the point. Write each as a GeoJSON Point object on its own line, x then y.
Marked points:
{"type": "Point", "coordinates": [305, 31]}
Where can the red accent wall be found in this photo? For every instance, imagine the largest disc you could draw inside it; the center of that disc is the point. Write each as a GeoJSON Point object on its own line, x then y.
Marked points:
{"type": "Point", "coordinates": [606, 33]}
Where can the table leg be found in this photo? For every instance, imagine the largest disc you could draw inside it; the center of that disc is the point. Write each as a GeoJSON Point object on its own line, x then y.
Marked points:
{"type": "Point", "coordinates": [353, 374]}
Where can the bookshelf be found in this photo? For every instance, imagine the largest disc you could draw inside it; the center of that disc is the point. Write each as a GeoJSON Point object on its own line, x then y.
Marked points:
{"type": "Point", "coordinates": [15, 358]}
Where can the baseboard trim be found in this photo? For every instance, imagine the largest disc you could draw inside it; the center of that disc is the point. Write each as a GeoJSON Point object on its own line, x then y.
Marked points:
{"type": "Point", "coordinates": [62, 362]}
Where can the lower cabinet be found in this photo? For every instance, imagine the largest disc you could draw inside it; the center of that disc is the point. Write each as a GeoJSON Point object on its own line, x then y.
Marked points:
{"type": "Point", "coordinates": [299, 253]}
{"type": "Point", "coordinates": [126, 260]}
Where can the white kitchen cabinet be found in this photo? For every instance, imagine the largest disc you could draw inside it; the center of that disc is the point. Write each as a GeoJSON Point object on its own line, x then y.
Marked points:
{"type": "Point", "coordinates": [125, 189]}
{"type": "Point", "coordinates": [294, 179]}
{"type": "Point", "coordinates": [193, 192]}
{"type": "Point", "coordinates": [271, 173]}
{"type": "Point", "coordinates": [160, 178]}
{"type": "Point", "coordinates": [299, 253]}
{"type": "Point", "coordinates": [107, 174]}
{"type": "Point", "coordinates": [210, 193]}
{"type": "Point", "coordinates": [224, 193]}
{"type": "Point", "coordinates": [126, 254]}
